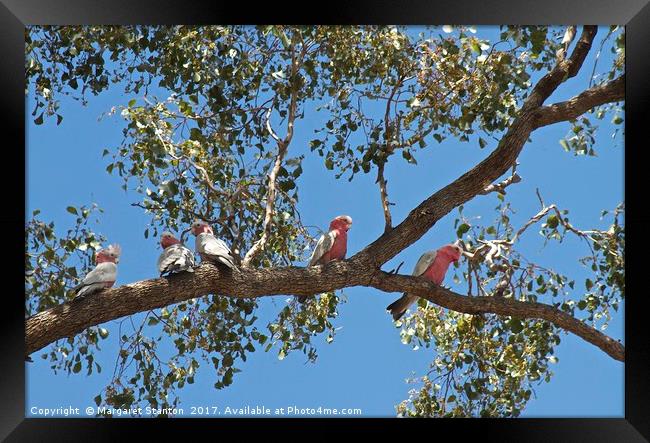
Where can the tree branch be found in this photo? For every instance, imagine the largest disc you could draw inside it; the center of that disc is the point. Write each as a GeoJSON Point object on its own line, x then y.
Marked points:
{"type": "Point", "coordinates": [612, 91]}
{"type": "Point", "coordinates": [383, 192]}
{"type": "Point", "coordinates": [500, 306]}
{"type": "Point", "coordinates": [470, 184]}
{"type": "Point", "coordinates": [283, 145]}
{"type": "Point", "coordinates": [501, 186]}
{"type": "Point", "coordinates": [388, 134]}
{"type": "Point", "coordinates": [71, 318]}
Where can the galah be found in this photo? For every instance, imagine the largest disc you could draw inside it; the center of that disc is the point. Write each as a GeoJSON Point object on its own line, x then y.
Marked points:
{"type": "Point", "coordinates": [211, 248]}
{"type": "Point", "coordinates": [104, 274]}
{"type": "Point", "coordinates": [332, 245]}
{"type": "Point", "coordinates": [432, 265]}
{"type": "Point", "coordinates": [175, 256]}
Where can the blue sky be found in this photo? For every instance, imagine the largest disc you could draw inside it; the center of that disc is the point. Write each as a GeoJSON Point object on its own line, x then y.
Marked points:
{"type": "Point", "coordinates": [366, 365]}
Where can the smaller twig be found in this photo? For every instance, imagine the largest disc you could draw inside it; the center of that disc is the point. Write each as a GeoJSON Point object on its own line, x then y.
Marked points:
{"type": "Point", "coordinates": [537, 217]}
{"type": "Point", "coordinates": [385, 204]}
{"type": "Point", "coordinates": [283, 145]}
{"type": "Point", "coordinates": [396, 270]}
{"type": "Point", "coordinates": [539, 196]}
{"type": "Point", "coordinates": [501, 186]}
{"type": "Point", "coordinates": [270, 128]}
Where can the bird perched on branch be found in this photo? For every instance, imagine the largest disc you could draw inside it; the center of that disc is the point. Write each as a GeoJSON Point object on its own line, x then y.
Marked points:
{"type": "Point", "coordinates": [211, 248]}
{"type": "Point", "coordinates": [332, 245]}
{"type": "Point", "coordinates": [175, 256]}
{"type": "Point", "coordinates": [432, 265]}
{"type": "Point", "coordinates": [104, 274]}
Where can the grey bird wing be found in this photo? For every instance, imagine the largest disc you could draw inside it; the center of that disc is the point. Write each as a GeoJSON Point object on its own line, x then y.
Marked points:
{"type": "Point", "coordinates": [176, 258]}
{"type": "Point", "coordinates": [424, 262]}
{"type": "Point", "coordinates": [325, 243]}
{"type": "Point", "coordinates": [399, 307]}
{"type": "Point", "coordinates": [216, 249]}
{"type": "Point", "coordinates": [95, 279]}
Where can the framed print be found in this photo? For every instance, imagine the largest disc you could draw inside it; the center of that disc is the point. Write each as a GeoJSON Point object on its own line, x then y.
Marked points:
{"type": "Point", "coordinates": [330, 220]}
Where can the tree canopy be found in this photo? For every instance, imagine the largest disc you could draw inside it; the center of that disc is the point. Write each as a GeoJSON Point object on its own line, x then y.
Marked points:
{"type": "Point", "coordinates": [221, 146]}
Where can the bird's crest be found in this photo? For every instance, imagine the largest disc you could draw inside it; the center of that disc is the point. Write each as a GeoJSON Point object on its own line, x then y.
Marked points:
{"type": "Point", "coordinates": [113, 249]}
{"type": "Point", "coordinates": [347, 218]}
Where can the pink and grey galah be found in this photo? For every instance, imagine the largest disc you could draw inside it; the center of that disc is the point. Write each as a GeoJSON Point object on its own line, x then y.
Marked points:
{"type": "Point", "coordinates": [175, 257]}
{"type": "Point", "coordinates": [104, 274]}
{"type": "Point", "coordinates": [211, 248]}
{"type": "Point", "coordinates": [332, 245]}
{"type": "Point", "coordinates": [433, 266]}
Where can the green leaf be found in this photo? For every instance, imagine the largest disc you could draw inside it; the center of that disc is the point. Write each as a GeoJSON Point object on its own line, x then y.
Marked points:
{"type": "Point", "coordinates": [516, 326]}
{"type": "Point", "coordinates": [77, 367]}
{"type": "Point", "coordinates": [227, 378]}
{"type": "Point", "coordinates": [482, 143]}
{"type": "Point", "coordinates": [72, 210]}
{"type": "Point", "coordinates": [462, 229]}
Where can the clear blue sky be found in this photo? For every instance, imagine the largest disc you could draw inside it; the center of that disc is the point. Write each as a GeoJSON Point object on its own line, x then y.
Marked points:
{"type": "Point", "coordinates": [366, 365]}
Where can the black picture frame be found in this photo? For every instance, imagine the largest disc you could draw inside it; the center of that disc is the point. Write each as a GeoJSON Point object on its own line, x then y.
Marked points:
{"type": "Point", "coordinates": [634, 14]}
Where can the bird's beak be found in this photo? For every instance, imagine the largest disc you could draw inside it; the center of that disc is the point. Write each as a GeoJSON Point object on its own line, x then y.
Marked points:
{"type": "Point", "coordinates": [117, 260]}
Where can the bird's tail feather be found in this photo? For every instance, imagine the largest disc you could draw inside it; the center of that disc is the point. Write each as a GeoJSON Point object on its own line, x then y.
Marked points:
{"type": "Point", "coordinates": [398, 307]}
{"type": "Point", "coordinates": [229, 263]}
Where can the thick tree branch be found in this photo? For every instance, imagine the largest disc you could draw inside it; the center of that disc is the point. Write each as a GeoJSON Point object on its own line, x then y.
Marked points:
{"type": "Point", "coordinates": [500, 306]}
{"type": "Point", "coordinates": [73, 317]}
{"type": "Point", "coordinates": [472, 183]}
{"type": "Point", "coordinates": [564, 70]}
{"type": "Point", "coordinates": [571, 109]}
